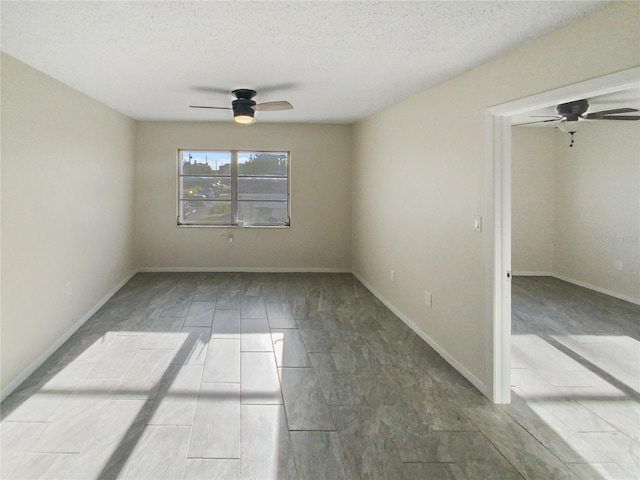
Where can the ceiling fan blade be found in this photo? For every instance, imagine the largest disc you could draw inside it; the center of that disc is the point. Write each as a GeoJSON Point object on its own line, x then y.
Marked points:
{"type": "Point", "coordinates": [272, 106]}
{"type": "Point", "coordinates": [215, 108]}
{"type": "Point", "coordinates": [616, 117]}
{"type": "Point", "coordinates": [539, 121]}
{"type": "Point", "coordinates": [609, 112]}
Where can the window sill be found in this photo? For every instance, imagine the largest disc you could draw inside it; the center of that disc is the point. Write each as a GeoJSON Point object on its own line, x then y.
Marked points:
{"type": "Point", "coordinates": [187, 225]}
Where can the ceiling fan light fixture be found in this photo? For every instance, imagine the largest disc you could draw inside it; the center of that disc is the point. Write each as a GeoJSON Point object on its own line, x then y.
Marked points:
{"type": "Point", "coordinates": [243, 118]}
{"type": "Point", "coordinates": [569, 126]}
{"type": "Point", "coordinates": [243, 111]}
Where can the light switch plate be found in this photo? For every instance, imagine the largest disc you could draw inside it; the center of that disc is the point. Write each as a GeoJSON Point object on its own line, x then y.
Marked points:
{"type": "Point", "coordinates": [477, 224]}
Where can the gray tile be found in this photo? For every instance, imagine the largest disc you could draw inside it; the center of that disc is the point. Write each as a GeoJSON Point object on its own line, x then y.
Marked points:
{"type": "Point", "coordinates": [575, 416]}
{"type": "Point", "coordinates": [368, 443]}
{"type": "Point", "coordinates": [619, 448]}
{"type": "Point", "coordinates": [259, 379]}
{"type": "Point", "coordinates": [256, 336]}
{"type": "Point", "coordinates": [68, 378]}
{"type": "Point", "coordinates": [266, 445]}
{"type": "Point", "coordinates": [160, 453]}
{"type": "Point", "coordinates": [192, 346]}
{"type": "Point", "coordinates": [441, 471]}
{"type": "Point", "coordinates": [72, 426]}
{"type": "Point", "coordinates": [339, 387]}
{"type": "Point", "coordinates": [176, 306]}
{"type": "Point", "coordinates": [280, 316]}
{"type": "Point", "coordinates": [323, 341]}
{"type": "Point", "coordinates": [16, 439]}
{"type": "Point", "coordinates": [206, 293]}
{"type": "Point", "coordinates": [212, 469]}
{"type": "Point", "coordinates": [117, 431]}
{"type": "Point", "coordinates": [376, 438]}
{"type": "Point", "coordinates": [226, 324]}
{"type": "Point", "coordinates": [229, 300]}
{"type": "Point", "coordinates": [565, 444]}
{"type": "Point", "coordinates": [289, 348]}
{"type": "Point", "coordinates": [407, 400]}
{"type": "Point", "coordinates": [177, 397]}
{"type": "Point", "coordinates": [38, 407]}
{"type": "Point", "coordinates": [599, 471]}
{"type": "Point", "coordinates": [216, 429]}
{"type": "Point", "coordinates": [303, 400]}
{"type": "Point", "coordinates": [52, 466]}
{"type": "Point", "coordinates": [165, 334]}
{"type": "Point", "coordinates": [117, 358]}
{"type": "Point", "coordinates": [319, 455]}
{"type": "Point", "coordinates": [253, 307]}
{"type": "Point", "coordinates": [623, 414]}
{"type": "Point", "coordinates": [145, 373]}
{"type": "Point", "coordinates": [223, 361]}
{"type": "Point", "coordinates": [200, 314]}
{"type": "Point", "coordinates": [517, 445]}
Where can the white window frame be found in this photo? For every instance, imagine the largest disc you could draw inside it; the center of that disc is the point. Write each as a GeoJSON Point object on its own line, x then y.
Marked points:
{"type": "Point", "coordinates": [234, 177]}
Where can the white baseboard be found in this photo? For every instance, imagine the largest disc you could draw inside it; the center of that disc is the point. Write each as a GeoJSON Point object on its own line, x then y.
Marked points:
{"type": "Point", "coordinates": [532, 274]}
{"type": "Point", "coordinates": [245, 269]}
{"type": "Point", "coordinates": [22, 376]}
{"type": "Point", "coordinates": [432, 343]}
{"type": "Point", "coordinates": [611, 293]}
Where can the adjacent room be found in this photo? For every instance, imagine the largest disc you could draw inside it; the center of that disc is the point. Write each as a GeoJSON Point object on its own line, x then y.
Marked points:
{"type": "Point", "coordinates": [575, 218]}
{"type": "Point", "coordinates": [259, 240]}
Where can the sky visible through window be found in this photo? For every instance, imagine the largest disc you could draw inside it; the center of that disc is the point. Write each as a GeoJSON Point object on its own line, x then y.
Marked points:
{"type": "Point", "coordinates": [214, 159]}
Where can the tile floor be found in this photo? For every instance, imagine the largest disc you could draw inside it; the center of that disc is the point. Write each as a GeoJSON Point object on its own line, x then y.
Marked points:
{"type": "Point", "coordinates": [576, 375]}
{"type": "Point", "coordinates": [308, 376]}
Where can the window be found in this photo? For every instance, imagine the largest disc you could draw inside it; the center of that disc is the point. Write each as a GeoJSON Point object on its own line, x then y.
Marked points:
{"type": "Point", "coordinates": [233, 188]}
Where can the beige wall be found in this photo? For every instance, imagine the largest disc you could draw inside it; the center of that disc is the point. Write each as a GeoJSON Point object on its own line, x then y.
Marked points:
{"type": "Point", "coordinates": [533, 180]}
{"type": "Point", "coordinates": [67, 211]}
{"type": "Point", "coordinates": [319, 236]}
{"type": "Point", "coordinates": [598, 208]}
{"type": "Point", "coordinates": [420, 176]}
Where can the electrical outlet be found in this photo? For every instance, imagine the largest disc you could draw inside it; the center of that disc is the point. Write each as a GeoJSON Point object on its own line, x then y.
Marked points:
{"type": "Point", "coordinates": [67, 289]}
{"type": "Point", "coordinates": [617, 264]}
{"type": "Point", "coordinates": [427, 298]}
{"type": "Point", "coordinates": [392, 276]}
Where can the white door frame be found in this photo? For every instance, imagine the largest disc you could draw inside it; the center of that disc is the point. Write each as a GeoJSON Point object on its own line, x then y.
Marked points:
{"type": "Point", "coordinates": [499, 203]}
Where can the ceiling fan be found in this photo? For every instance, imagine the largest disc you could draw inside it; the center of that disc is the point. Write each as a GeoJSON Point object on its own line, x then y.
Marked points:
{"type": "Point", "coordinates": [569, 114]}
{"type": "Point", "coordinates": [244, 107]}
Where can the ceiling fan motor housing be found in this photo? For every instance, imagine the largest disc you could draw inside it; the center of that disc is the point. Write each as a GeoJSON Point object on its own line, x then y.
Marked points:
{"type": "Point", "coordinates": [244, 93]}
{"type": "Point", "coordinates": [572, 111]}
{"type": "Point", "coordinates": [243, 106]}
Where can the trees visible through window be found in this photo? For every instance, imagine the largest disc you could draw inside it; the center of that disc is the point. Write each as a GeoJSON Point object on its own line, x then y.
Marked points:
{"type": "Point", "coordinates": [233, 188]}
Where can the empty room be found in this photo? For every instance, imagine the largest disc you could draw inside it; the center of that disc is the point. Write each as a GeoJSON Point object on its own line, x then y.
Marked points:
{"type": "Point", "coordinates": [320, 240]}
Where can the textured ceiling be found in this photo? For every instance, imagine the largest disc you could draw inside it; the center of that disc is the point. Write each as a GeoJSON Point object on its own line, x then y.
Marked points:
{"type": "Point", "coordinates": [334, 61]}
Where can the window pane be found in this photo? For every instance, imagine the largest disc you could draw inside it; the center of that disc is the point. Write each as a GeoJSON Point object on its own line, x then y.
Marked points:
{"type": "Point", "coordinates": [257, 213]}
{"type": "Point", "coordinates": [262, 189]}
{"type": "Point", "coordinates": [206, 211]}
{"type": "Point", "coordinates": [206, 187]}
{"type": "Point", "coordinates": [205, 163]}
{"type": "Point", "coordinates": [271, 164]}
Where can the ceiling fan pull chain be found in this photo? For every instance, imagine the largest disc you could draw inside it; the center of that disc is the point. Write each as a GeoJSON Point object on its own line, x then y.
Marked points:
{"type": "Point", "coordinates": [571, 144]}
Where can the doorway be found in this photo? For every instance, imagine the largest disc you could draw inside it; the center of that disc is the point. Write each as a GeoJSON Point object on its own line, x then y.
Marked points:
{"type": "Point", "coordinates": [499, 180]}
